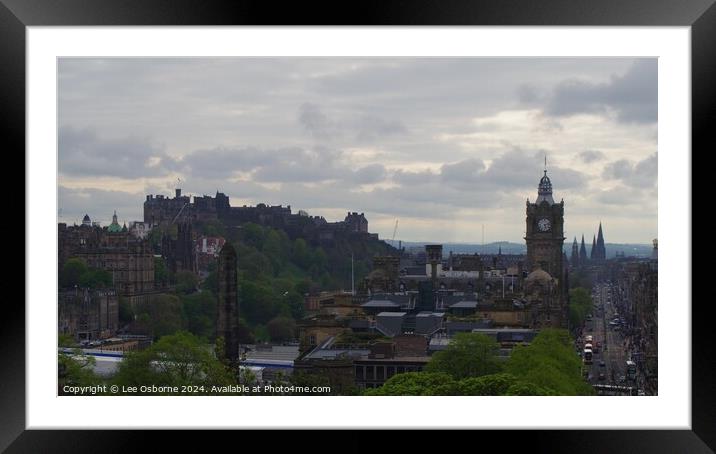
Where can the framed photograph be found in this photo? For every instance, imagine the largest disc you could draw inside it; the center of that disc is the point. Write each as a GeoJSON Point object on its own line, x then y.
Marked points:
{"type": "Point", "coordinates": [357, 217]}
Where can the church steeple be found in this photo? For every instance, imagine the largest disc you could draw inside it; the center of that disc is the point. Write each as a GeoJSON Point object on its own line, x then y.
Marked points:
{"type": "Point", "coordinates": [583, 252]}
{"type": "Point", "coordinates": [593, 252]}
{"type": "Point", "coordinates": [574, 260]}
{"type": "Point", "coordinates": [601, 248]}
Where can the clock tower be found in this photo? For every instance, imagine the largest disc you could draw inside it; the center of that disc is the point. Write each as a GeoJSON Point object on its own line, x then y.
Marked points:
{"type": "Point", "coordinates": [545, 230]}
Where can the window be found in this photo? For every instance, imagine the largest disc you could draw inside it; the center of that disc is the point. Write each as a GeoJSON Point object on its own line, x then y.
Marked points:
{"type": "Point", "coordinates": [391, 371]}
{"type": "Point", "coordinates": [359, 372]}
{"type": "Point", "coordinates": [380, 372]}
{"type": "Point", "coordinates": [370, 373]}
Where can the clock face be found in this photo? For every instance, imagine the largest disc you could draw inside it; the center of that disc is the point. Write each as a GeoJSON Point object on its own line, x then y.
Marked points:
{"type": "Point", "coordinates": [544, 225]}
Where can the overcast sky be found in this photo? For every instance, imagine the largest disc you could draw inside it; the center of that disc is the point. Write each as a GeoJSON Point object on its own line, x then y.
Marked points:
{"type": "Point", "coordinates": [445, 145]}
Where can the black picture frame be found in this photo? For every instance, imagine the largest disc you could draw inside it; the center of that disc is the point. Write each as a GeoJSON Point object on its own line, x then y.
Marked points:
{"type": "Point", "coordinates": [700, 15]}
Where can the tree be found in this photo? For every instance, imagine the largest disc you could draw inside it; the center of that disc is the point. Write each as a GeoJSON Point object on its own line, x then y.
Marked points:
{"type": "Point", "coordinates": [199, 311]}
{"type": "Point", "coordinates": [416, 384]}
{"type": "Point", "coordinates": [175, 360]}
{"type": "Point", "coordinates": [187, 282]}
{"type": "Point", "coordinates": [258, 301]}
{"type": "Point", "coordinates": [549, 363]}
{"type": "Point", "coordinates": [281, 329]}
{"type": "Point", "coordinates": [162, 313]}
{"type": "Point", "coordinates": [528, 389]}
{"type": "Point", "coordinates": [253, 235]}
{"type": "Point", "coordinates": [301, 255]}
{"type": "Point", "coordinates": [255, 265]}
{"type": "Point", "coordinates": [468, 355]}
{"type": "Point", "coordinates": [580, 304]}
{"type": "Point", "coordinates": [76, 369]}
{"type": "Point", "coordinates": [66, 340]}
{"type": "Point", "coordinates": [487, 385]}
{"type": "Point", "coordinates": [72, 271]}
{"type": "Point", "coordinates": [274, 248]}
{"type": "Point", "coordinates": [295, 304]}
{"type": "Point", "coordinates": [161, 273]}
{"type": "Point", "coordinates": [95, 278]}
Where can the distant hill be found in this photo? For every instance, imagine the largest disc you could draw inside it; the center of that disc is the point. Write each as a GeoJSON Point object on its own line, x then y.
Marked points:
{"type": "Point", "coordinates": [629, 249]}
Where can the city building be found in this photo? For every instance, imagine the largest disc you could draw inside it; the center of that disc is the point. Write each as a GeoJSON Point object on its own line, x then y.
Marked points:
{"type": "Point", "coordinates": [165, 211]}
{"type": "Point", "coordinates": [127, 258]}
{"type": "Point", "coordinates": [88, 315]}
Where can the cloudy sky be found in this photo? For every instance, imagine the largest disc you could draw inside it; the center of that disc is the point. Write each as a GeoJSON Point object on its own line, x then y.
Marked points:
{"type": "Point", "coordinates": [444, 145]}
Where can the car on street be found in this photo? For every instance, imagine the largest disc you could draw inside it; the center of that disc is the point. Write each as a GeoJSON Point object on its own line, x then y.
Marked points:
{"type": "Point", "coordinates": [602, 363]}
{"type": "Point", "coordinates": [602, 376]}
{"type": "Point", "coordinates": [621, 379]}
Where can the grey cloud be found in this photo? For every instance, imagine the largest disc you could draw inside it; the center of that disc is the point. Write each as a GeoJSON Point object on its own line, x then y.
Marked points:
{"type": "Point", "coordinates": [528, 94]}
{"type": "Point", "coordinates": [414, 178]}
{"type": "Point", "coordinates": [265, 117]}
{"type": "Point", "coordinates": [620, 196]}
{"type": "Point", "coordinates": [362, 128]}
{"type": "Point", "coordinates": [81, 152]}
{"type": "Point", "coordinates": [371, 128]}
{"type": "Point", "coordinates": [590, 156]}
{"type": "Point", "coordinates": [642, 174]}
{"type": "Point", "coordinates": [225, 162]}
{"type": "Point", "coordinates": [373, 173]}
{"type": "Point", "coordinates": [463, 173]}
{"type": "Point", "coordinates": [514, 170]}
{"type": "Point", "coordinates": [519, 169]}
{"type": "Point", "coordinates": [633, 96]}
{"type": "Point", "coordinates": [315, 122]}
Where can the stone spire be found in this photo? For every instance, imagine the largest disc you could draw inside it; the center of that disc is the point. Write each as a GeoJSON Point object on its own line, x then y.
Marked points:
{"type": "Point", "coordinates": [601, 248]}
{"type": "Point", "coordinates": [582, 252]}
{"type": "Point", "coordinates": [574, 260]}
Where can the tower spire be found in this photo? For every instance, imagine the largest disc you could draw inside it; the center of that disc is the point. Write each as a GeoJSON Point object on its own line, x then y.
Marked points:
{"type": "Point", "coordinates": [583, 252]}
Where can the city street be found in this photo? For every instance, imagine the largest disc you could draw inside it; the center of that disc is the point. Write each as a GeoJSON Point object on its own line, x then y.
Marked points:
{"type": "Point", "coordinates": [612, 350]}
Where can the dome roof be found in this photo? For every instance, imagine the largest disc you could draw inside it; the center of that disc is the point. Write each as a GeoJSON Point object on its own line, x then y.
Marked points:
{"type": "Point", "coordinates": [114, 227]}
{"type": "Point", "coordinates": [539, 275]}
{"type": "Point", "coordinates": [544, 190]}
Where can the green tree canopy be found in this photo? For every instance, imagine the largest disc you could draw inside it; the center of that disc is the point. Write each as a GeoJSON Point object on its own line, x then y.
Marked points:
{"type": "Point", "coordinates": [281, 329]}
{"type": "Point", "coordinates": [187, 282]}
{"type": "Point", "coordinates": [580, 304]}
{"type": "Point", "coordinates": [199, 310]}
{"type": "Point", "coordinates": [71, 272]}
{"type": "Point", "coordinates": [162, 313]}
{"type": "Point", "coordinates": [76, 369]}
{"type": "Point", "coordinates": [175, 360]}
{"type": "Point", "coordinates": [75, 272]}
{"type": "Point", "coordinates": [549, 362]}
{"type": "Point", "coordinates": [468, 355]}
{"type": "Point", "coordinates": [161, 273]}
{"type": "Point", "coordinates": [416, 384]}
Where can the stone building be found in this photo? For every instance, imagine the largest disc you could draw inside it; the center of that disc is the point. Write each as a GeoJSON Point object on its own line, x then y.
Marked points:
{"type": "Point", "coordinates": [88, 314]}
{"type": "Point", "coordinates": [180, 253]}
{"type": "Point", "coordinates": [545, 257]}
{"type": "Point", "coordinates": [161, 210]}
{"type": "Point", "coordinates": [128, 259]}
